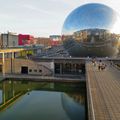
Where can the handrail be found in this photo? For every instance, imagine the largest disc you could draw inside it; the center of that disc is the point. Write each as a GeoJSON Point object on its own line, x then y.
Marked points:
{"type": "Point", "coordinates": [89, 95]}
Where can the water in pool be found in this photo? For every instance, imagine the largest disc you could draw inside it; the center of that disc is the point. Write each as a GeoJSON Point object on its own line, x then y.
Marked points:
{"type": "Point", "coordinates": [23, 100]}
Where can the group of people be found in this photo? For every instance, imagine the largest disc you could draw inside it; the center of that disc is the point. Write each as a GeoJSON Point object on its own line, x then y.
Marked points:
{"type": "Point", "coordinates": [101, 66]}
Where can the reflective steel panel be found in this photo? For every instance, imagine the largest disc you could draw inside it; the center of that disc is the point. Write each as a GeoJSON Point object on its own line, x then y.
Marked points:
{"type": "Point", "coordinates": [92, 30]}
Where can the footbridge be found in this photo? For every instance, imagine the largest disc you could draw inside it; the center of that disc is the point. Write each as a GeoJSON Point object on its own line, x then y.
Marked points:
{"type": "Point", "coordinates": [103, 92]}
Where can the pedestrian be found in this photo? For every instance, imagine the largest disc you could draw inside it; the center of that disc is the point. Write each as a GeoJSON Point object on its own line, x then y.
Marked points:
{"type": "Point", "coordinates": [100, 65]}
{"type": "Point", "coordinates": [94, 62]}
{"type": "Point", "coordinates": [103, 66]}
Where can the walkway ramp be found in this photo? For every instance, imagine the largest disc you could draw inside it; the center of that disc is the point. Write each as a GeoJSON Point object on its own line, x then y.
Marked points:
{"type": "Point", "coordinates": [103, 92]}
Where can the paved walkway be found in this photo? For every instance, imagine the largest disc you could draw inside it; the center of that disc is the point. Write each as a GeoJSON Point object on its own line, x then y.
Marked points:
{"type": "Point", "coordinates": [103, 90]}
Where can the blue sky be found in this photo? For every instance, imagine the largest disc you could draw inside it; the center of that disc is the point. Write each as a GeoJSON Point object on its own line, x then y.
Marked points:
{"type": "Point", "coordinates": [40, 17]}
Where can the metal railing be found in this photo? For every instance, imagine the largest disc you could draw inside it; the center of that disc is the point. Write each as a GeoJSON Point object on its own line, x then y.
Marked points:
{"type": "Point", "coordinates": [91, 113]}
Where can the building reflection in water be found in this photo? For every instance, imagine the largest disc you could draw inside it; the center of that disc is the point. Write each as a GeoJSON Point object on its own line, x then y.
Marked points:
{"type": "Point", "coordinates": [73, 109]}
{"type": "Point", "coordinates": [11, 91]}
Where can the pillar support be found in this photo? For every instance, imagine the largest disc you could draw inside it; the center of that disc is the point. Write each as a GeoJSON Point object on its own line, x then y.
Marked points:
{"type": "Point", "coordinates": [3, 64]}
{"type": "Point", "coordinates": [12, 57]}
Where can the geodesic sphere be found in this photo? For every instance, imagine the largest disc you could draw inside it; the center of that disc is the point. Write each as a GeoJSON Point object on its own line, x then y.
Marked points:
{"type": "Point", "coordinates": [92, 30]}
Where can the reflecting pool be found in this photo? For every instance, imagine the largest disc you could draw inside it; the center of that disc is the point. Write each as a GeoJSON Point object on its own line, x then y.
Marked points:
{"type": "Point", "coordinates": [24, 100]}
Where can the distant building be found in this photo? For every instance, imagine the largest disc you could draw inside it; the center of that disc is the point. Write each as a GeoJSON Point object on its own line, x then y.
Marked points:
{"type": "Point", "coordinates": [87, 35]}
{"type": "Point", "coordinates": [9, 40]}
{"type": "Point", "coordinates": [55, 39]}
{"type": "Point", "coordinates": [0, 41]}
{"type": "Point", "coordinates": [43, 41]}
{"type": "Point", "coordinates": [24, 39]}
{"type": "Point", "coordinates": [14, 40]}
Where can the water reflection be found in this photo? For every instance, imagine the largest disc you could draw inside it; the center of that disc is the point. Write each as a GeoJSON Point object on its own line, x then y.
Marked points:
{"type": "Point", "coordinates": [0, 96]}
{"type": "Point", "coordinates": [34, 100]}
{"type": "Point", "coordinates": [72, 108]}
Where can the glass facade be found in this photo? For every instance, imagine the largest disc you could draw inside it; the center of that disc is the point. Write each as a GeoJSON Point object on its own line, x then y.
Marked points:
{"type": "Point", "coordinates": [70, 68]}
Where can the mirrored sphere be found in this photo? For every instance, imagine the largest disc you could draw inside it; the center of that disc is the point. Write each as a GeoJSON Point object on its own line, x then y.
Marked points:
{"type": "Point", "coordinates": [92, 30]}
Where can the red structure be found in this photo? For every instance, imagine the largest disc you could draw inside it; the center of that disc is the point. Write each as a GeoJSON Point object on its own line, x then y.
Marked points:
{"type": "Point", "coordinates": [25, 39]}
{"type": "Point", "coordinates": [54, 43]}
{"type": "Point", "coordinates": [55, 39]}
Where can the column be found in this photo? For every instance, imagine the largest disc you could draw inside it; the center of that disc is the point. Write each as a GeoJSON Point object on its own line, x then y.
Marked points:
{"type": "Point", "coordinates": [12, 57]}
{"type": "Point", "coordinates": [3, 64]}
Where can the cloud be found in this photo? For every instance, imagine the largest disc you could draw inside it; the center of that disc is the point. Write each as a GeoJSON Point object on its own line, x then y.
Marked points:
{"type": "Point", "coordinates": [36, 9]}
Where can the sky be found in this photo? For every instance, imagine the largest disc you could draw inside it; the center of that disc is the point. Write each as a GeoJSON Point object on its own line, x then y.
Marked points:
{"type": "Point", "coordinates": [41, 18]}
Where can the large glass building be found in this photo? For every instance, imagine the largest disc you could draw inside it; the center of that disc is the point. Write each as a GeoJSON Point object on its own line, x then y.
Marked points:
{"type": "Point", "coordinates": [92, 30]}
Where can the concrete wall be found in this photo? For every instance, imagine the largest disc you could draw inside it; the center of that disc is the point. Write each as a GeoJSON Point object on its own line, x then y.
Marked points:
{"type": "Point", "coordinates": [8, 66]}
{"type": "Point", "coordinates": [4, 38]}
{"type": "Point", "coordinates": [34, 68]}
{"type": "Point", "coordinates": [13, 40]}
{"type": "Point", "coordinates": [9, 40]}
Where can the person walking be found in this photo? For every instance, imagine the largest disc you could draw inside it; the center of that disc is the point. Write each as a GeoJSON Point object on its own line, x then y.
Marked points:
{"type": "Point", "coordinates": [100, 65]}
